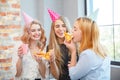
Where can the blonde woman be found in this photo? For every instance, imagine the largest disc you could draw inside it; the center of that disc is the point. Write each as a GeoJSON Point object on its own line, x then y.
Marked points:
{"type": "Point", "coordinates": [60, 55]}
{"type": "Point", "coordinates": [30, 67]}
{"type": "Point", "coordinates": [93, 63]}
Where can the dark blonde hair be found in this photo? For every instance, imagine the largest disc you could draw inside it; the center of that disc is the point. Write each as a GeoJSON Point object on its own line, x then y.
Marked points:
{"type": "Point", "coordinates": [90, 36]}
{"type": "Point", "coordinates": [26, 38]}
{"type": "Point", "coordinates": [53, 43]}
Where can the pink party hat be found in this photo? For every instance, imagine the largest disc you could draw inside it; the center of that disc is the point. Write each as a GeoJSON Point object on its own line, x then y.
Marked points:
{"type": "Point", "coordinates": [27, 18]}
{"type": "Point", "coordinates": [54, 16]}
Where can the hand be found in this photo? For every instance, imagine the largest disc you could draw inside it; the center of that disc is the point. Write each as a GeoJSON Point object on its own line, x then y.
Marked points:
{"type": "Point", "coordinates": [71, 46]}
{"type": "Point", "coordinates": [52, 56]}
{"type": "Point", "coordinates": [69, 64]}
{"type": "Point", "coordinates": [20, 52]}
{"type": "Point", "coordinates": [38, 59]}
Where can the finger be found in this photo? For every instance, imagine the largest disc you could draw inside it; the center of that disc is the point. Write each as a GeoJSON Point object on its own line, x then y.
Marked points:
{"type": "Point", "coordinates": [64, 41]}
{"type": "Point", "coordinates": [20, 52]}
{"type": "Point", "coordinates": [20, 48]}
{"type": "Point", "coordinates": [40, 60]}
{"type": "Point", "coordinates": [52, 59]}
{"type": "Point", "coordinates": [68, 65]}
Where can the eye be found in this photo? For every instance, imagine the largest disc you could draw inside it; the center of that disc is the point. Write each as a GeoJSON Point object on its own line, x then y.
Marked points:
{"type": "Point", "coordinates": [63, 25]}
{"type": "Point", "coordinates": [74, 29]}
{"type": "Point", "coordinates": [32, 30]}
{"type": "Point", "coordinates": [57, 26]}
{"type": "Point", "coordinates": [39, 29]}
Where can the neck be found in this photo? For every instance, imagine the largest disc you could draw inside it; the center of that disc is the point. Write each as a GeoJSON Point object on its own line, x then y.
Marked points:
{"type": "Point", "coordinates": [34, 47]}
{"type": "Point", "coordinates": [33, 44]}
{"type": "Point", "coordinates": [60, 40]}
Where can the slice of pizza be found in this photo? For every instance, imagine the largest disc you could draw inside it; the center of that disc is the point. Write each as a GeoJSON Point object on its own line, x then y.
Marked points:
{"type": "Point", "coordinates": [68, 36]}
{"type": "Point", "coordinates": [39, 54]}
{"type": "Point", "coordinates": [47, 55]}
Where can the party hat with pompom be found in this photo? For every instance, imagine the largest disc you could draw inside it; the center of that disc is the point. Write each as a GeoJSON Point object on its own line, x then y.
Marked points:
{"type": "Point", "coordinates": [54, 16]}
{"type": "Point", "coordinates": [27, 18]}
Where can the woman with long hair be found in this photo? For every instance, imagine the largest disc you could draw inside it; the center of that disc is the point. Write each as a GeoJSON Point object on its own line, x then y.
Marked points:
{"type": "Point", "coordinates": [60, 54]}
{"type": "Point", "coordinates": [93, 63]}
{"type": "Point", "coordinates": [29, 66]}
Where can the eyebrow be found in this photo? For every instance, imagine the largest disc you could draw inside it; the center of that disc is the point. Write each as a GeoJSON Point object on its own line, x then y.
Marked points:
{"type": "Point", "coordinates": [36, 29]}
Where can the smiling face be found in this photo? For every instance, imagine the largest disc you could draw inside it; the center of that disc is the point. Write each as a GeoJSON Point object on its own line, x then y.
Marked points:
{"type": "Point", "coordinates": [59, 29]}
{"type": "Point", "coordinates": [35, 32]}
{"type": "Point", "coordinates": [77, 33]}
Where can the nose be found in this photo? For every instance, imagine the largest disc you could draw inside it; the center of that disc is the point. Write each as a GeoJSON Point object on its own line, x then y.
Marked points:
{"type": "Point", "coordinates": [61, 28]}
{"type": "Point", "coordinates": [37, 32]}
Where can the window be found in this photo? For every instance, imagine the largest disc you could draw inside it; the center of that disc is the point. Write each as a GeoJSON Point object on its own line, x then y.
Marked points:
{"type": "Point", "coordinates": [109, 23]}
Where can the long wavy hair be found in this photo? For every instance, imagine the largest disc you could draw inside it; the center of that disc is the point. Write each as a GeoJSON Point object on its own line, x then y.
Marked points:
{"type": "Point", "coordinates": [90, 36]}
{"type": "Point", "coordinates": [25, 38]}
{"type": "Point", "coordinates": [54, 44]}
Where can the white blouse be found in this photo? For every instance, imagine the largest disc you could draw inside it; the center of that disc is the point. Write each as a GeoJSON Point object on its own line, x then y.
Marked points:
{"type": "Point", "coordinates": [30, 68]}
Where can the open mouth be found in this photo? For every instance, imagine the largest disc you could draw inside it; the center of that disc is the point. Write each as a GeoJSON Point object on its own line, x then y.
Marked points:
{"type": "Point", "coordinates": [36, 36]}
{"type": "Point", "coordinates": [61, 33]}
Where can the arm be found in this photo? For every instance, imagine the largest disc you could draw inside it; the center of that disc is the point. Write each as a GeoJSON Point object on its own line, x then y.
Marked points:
{"type": "Point", "coordinates": [72, 48]}
{"type": "Point", "coordinates": [87, 61]}
{"type": "Point", "coordinates": [73, 60]}
{"type": "Point", "coordinates": [41, 65]}
{"type": "Point", "coordinates": [19, 67]}
{"type": "Point", "coordinates": [19, 62]}
{"type": "Point", "coordinates": [42, 69]}
{"type": "Point", "coordinates": [53, 66]}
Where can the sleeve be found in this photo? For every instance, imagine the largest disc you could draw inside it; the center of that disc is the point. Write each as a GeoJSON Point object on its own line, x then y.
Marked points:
{"type": "Point", "coordinates": [83, 66]}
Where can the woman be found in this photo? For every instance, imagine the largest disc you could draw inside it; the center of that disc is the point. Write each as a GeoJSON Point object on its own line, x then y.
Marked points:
{"type": "Point", "coordinates": [29, 67]}
{"type": "Point", "coordinates": [93, 63]}
{"type": "Point", "coordinates": [60, 55]}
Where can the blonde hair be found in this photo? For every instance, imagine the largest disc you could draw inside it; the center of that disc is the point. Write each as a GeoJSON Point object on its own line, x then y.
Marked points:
{"type": "Point", "coordinates": [53, 44]}
{"type": "Point", "coordinates": [25, 38]}
{"type": "Point", "coordinates": [90, 36]}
